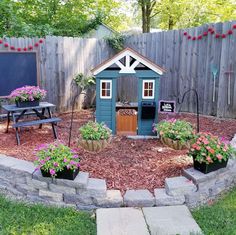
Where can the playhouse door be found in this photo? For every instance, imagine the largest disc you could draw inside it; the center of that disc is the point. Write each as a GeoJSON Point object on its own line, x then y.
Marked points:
{"type": "Point", "coordinates": [148, 105]}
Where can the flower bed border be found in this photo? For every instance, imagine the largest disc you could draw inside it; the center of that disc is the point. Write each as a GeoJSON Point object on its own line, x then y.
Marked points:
{"type": "Point", "coordinates": [18, 177]}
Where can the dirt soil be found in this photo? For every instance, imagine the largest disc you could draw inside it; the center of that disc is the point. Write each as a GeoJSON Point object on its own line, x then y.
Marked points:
{"type": "Point", "coordinates": [125, 164]}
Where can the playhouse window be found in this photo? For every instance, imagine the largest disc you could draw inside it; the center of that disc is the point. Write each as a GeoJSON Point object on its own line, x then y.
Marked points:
{"type": "Point", "coordinates": [148, 89]}
{"type": "Point", "coordinates": [105, 89]}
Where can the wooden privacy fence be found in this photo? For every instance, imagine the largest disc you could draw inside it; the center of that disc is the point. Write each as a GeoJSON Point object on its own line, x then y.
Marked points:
{"type": "Point", "coordinates": [188, 63]}
{"type": "Point", "coordinates": [60, 59]}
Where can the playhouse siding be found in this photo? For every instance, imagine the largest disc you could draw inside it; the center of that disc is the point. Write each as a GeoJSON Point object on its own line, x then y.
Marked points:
{"type": "Point", "coordinates": [105, 107]}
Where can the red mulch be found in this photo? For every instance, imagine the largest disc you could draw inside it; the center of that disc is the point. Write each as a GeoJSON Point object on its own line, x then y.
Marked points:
{"type": "Point", "coordinates": [125, 164]}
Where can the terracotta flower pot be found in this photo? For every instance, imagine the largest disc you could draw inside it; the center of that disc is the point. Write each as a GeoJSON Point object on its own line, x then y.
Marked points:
{"type": "Point", "coordinates": [174, 144]}
{"type": "Point", "coordinates": [94, 145]}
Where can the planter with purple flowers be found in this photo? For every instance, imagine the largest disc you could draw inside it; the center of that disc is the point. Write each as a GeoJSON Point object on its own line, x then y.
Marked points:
{"type": "Point", "coordinates": [27, 96]}
{"type": "Point", "coordinates": [57, 160]}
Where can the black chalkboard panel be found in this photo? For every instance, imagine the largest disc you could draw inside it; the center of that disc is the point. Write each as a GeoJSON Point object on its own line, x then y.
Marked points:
{"type": "Point", "coordinates": [16, 70]}
{"type": "Point", "coordinates": [166, 106]}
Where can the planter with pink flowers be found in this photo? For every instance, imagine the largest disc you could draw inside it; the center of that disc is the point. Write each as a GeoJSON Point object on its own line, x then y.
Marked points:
{"type": "Point", "coordinates": [57, 160]}
{"type": "Point", "coordinates": [27, 96]}
{"type": "Point", "coordinates": [210, 153]}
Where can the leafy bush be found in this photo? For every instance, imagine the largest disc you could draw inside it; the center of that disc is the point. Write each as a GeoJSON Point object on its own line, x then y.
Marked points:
{"type": "Point", "coordinates": [208, 148]}
{"type": "Point", "coordinates": [84, 82]}
{"type": "Point", "coordinates": [28, 93]}
{"type": "Point", "coordinates": [55, 157]}
{"type": "Point", "coordinates": [175, 129]}
{"type": "Point", "coordinates": [116, 41]}
{"type": "Point", "coordinates": [95, 131]}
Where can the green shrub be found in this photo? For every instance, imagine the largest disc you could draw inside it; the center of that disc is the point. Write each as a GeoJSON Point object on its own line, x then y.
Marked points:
{"type": "Point", "coordinates": [175, 129]}
{"type": "Point", "coordinates": [95, 131]}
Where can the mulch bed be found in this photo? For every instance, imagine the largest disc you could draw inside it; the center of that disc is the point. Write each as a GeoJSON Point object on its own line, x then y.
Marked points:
{"type": "Point", "coordinates": [125, 164]}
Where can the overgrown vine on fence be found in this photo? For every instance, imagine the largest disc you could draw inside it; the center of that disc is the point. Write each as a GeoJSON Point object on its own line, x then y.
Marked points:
{"type": "Point", "coordinates": [116, 41]}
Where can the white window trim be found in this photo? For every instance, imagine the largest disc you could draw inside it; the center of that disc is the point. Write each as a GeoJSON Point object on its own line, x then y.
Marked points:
{"type": "Point", "coordinates": [106, 97]}
{"type": "Point", "coordinates": [153, 93]}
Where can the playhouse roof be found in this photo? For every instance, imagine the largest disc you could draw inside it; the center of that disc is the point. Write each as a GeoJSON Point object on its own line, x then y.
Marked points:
{"type": "Point", "coordinates": [128, 54]}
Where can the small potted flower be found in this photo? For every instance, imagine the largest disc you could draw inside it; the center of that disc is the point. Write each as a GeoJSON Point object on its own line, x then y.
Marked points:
{"type": "Point", "coordinates": [27, 96]}
{"type": "Point", "coordinates": [94, 136]}
{"type": "Point", "coordinates": [57, 160]}
{"type": "Point", "coordinates": [210, 153]}
{"type": "Point", "coordinates": [176, 134]}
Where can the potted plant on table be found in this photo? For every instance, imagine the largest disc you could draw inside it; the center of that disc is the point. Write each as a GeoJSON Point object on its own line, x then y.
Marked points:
{"type": "Point", "coordinates": [57, 160]}
{"type": "Point", "coordinates": [176, 134]}
{"type": "Point", "coordinates": [210, 153]}
{"type": "Point", "coordinates": [27, 96]}
{"type": "Point", "coordinates": [94, 136]}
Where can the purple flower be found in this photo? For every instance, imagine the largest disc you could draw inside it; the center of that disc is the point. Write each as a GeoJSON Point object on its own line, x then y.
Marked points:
{"type": "Point", "coordinates": [72, 162]}
{"type": "Point", "coordinates": [52, 172]}
{"type": "Point", "coordinates": [78, 165]}
{"type": "Point", "coordinates": [42, 162]}
{"type": "Point", "coordinates": [37, 168]}
{"type": "Point", "coordinates": [55, 164]}
{"type": "Point", "coordinates": [75, 156]}
{"type": "Point", "coordinates": [48, 158]}
{"type": "Point", "coordinates": [65, 160]}
{"type": "Point", "coordinates": [68, 167]}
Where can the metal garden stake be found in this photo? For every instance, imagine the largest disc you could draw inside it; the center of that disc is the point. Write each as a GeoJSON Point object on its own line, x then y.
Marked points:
{"type": "Point", "coordinates": [229, 82]}
{"type": "Point", "coordinates": [214, 71]}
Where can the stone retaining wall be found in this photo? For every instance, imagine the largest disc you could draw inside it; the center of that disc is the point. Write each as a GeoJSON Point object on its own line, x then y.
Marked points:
{"type": "Point", "coordinates": [19, 178]}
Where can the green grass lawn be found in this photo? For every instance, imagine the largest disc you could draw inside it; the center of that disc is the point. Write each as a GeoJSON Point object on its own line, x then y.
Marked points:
{"type": "Point", "coordinates": [219, 218]}
{"type": "Point", "coordinates": [19, 218]}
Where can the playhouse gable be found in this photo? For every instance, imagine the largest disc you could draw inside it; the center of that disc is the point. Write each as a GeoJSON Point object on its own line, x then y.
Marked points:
{"type": "Point", "coordinates": [127, 61]}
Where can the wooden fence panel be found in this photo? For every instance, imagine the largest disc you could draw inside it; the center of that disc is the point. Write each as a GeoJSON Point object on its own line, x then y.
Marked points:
{"type": "Point", "coordinates": [188, 64]}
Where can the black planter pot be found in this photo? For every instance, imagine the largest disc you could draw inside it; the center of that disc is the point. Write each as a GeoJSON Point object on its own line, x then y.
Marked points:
{"type": "Point", "coordinates": [207, 168]}
{"type": "Point", "coordinates": [64, 174]}
{"type": "Point", "coordinates": [23, 104]}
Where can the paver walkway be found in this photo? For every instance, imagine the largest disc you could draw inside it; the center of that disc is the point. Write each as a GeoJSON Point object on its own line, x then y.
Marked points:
{"type": "Point", "coordinates": [168, 220]}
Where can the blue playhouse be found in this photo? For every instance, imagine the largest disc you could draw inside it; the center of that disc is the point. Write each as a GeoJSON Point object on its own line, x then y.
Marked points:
{"type": "Point", "coordinates": [147, 73]}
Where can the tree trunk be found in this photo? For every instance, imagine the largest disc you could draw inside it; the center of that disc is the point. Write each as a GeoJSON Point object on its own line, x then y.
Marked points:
{"type": "Point", "coordinates": [147, 7]}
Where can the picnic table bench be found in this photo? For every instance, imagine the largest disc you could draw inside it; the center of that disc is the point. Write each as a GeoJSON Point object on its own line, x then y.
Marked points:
{"type": "Point", "coordinates": [16, 113]}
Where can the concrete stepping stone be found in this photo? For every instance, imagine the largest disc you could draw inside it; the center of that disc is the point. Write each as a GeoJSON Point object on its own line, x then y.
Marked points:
{"type": "Point", "coordinates": [121, 221]}
{"type": "Point", "coordinates": [170, 220]}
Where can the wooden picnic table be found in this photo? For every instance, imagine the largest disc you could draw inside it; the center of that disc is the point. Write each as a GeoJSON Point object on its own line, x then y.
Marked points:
{"type": "Point", "coordinates": [16, 113]}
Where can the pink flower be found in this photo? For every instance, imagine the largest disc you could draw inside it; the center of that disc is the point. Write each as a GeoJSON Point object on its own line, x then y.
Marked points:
{"type": "Point", "coordinates": [212, 151]}
{"type": "Point", "coordinates": [72, 162]}
{"type": "Point", "coordinates": [209, 159]}
{"type": "Point", "coordinates": [65, 160]}
{"type": "Point", "coordinates": [78, 165]}
{"type": "Point", "coordinates": [55, 164]}
{"type": "Point", "coordinates": [75, 156]}
{"type": "Point", "coordinates": [205, 141]}
{"type": "Point", "coordinates": [42, 162]}
{"type": "Point", "coordinates": [52, 172]}
{"type": "Point", "coordinates": [68, 167]}
{"type": "Point", "coordinates": [219, 156]}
